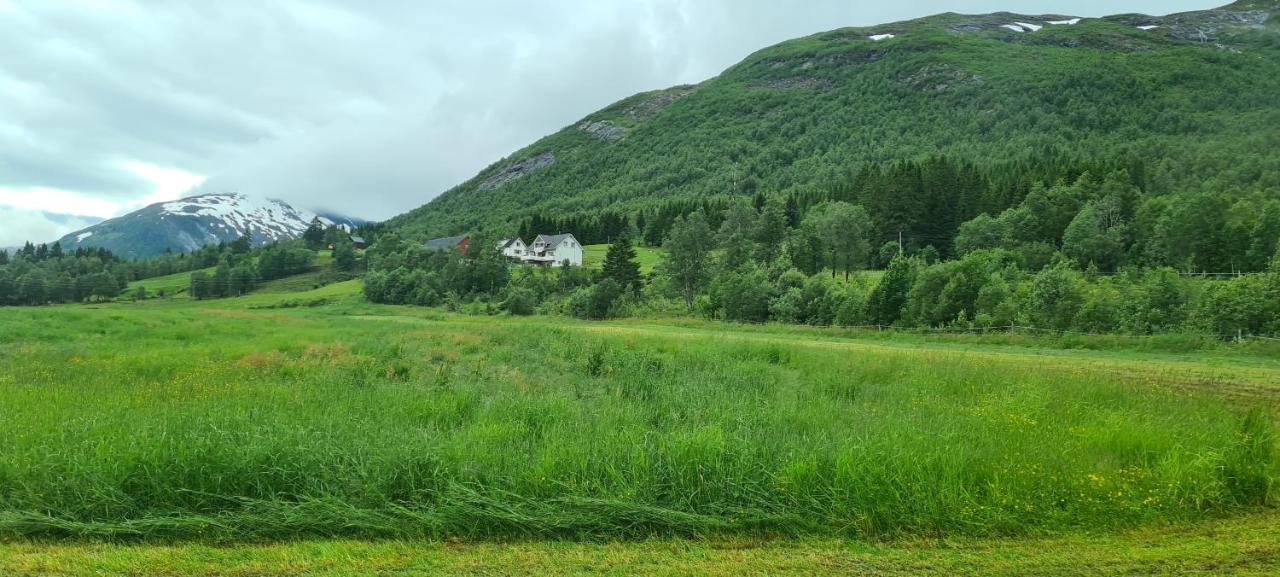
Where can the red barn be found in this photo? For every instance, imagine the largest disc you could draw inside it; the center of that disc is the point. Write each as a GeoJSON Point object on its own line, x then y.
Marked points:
{"type": "Point", "coordinates": [459, 243]}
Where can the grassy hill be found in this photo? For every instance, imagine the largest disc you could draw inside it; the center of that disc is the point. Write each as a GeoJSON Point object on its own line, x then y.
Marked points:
{"type": "Point", "coordinates": [1192, 101]}
{"type": "Point", "coordinates": [178, 285]}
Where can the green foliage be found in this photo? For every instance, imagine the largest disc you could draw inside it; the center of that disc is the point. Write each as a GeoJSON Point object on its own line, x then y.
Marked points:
{"type": "Point", "coordinates": [280, 260]}
{"type": "Point", "coordinates": [344, 255]}
{"type": "Point", "coordinates": [620, 264]}
{"type": "Point", "coordinates": [597, 302]}
{"type": "Point", "coordinates": [735, 234]}
{"type": "Point", "coordinates": [314, 236]}
{"type": "Point", "coordinates": [1057, 294]}
{"type": "Point", "coordinates": [520, 301]}
{"type": "Point", "coordinates": [884, 307]}
{"type": "Point", "coordinates": [743, 295]}
{"type": "Point", "coordinates": [688, 263]}
{"type": "Point", "coordinates": [843, 229]}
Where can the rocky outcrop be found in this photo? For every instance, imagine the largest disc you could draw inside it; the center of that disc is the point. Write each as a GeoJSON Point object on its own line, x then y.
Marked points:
{"type": "Point", "coordinates": [604, 130]}
{"type": "Point", "coordinates": [651, 106]}
{"type": "Point", "coordinates": [792, 83]}
{"type": "Point", "coordinates": [518, 170]}
{"type": "Point", "coordinates": [939, 78]}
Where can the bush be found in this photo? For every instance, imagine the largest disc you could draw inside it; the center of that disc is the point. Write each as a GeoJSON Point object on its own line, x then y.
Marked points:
{"type": "Point", "coordinates": [520, 301]}
{"type": "Point", "coordinates": [595, 302]}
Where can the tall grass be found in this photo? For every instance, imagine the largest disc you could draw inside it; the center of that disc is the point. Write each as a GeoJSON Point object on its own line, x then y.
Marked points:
{"type": "Point", "coordinates": [187, 420]}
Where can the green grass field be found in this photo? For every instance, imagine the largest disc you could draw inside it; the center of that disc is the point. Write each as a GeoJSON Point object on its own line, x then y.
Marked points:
{"type": "Point", "coordinates": [648, 257]}
{"type": "Point", "coordinates": [269, 418]}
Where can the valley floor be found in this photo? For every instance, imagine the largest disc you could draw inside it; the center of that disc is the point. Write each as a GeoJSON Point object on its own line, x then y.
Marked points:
{"type": "Point", "coordinates": [311, 433]}
{"type": "Point", "coordinates": [1248, 545]}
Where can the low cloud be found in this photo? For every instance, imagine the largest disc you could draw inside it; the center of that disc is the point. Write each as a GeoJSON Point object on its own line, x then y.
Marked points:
{"type": "Point", "coordinates": [23, 225]}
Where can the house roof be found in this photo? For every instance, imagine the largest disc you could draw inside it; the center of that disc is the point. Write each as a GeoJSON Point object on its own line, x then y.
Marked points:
{"type": "Point", "coordinates": [508, 242]}
{"type": "Point", "coordinates": [444, 243]}
{"type": "Point", "coordinates": [553, 240]}
{"type": "Point", "coordinates": [357, 240]}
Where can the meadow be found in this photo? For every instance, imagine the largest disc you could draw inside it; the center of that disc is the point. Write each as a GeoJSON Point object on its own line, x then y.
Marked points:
{"type": "Point", "coordinates": [269, 417]}
{"type": "Point", "coordinates": [647, 257]}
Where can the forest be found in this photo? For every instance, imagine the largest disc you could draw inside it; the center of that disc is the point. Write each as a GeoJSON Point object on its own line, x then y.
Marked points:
{"type": "Point", "coordinates": [1053, 245]}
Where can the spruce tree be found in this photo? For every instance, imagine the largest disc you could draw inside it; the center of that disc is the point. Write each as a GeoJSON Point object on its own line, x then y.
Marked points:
{"type": "Point", "coordinates": [620, 264]}
{"type": "Point", "coordinates": [314, 235]}
{"type": "Point", "coordinates": [735, 234]}
{"type": "Point", "coordinates": [770, 231]}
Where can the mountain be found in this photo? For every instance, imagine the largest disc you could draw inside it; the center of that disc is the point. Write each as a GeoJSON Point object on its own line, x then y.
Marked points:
{"type": "Point", "coordinates": [190, 223]}
{"type": "Point", "coordinates": [1189, 99]}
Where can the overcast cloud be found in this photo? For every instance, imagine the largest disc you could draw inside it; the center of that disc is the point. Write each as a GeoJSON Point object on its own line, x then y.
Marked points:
{"type": "Point", "coordinates": [365, 108]}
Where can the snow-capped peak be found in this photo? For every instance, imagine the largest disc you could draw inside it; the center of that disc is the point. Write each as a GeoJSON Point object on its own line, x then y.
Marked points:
{"type": "Point", "coordinates": [242, 214]}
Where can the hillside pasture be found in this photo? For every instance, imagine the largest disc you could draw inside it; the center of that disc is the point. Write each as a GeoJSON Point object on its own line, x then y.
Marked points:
{"type": "Point", "coordinates": [648, 257]}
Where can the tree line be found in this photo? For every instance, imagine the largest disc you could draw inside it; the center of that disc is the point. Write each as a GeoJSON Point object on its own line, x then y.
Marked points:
{"type": "Point", "coordinates": [1082, 249]}
{"type": "Point", "coordinates": [45, 273]}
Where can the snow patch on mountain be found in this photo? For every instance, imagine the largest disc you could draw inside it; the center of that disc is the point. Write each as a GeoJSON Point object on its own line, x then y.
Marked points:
{"type": "Point", "coordinates": [879, 37]}
{"type": "Point", "coordinates": [244, 214]}
{"type": "Point", "coordinates": [1070, 22]}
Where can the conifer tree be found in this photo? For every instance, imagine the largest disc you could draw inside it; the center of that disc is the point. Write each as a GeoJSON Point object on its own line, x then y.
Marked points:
{"type": "Point", "coordinates": [770, 231]}
{"type": "Point", "coordinates": [314, 235]}
{"type": "Point", "coordinates": [620, 264]}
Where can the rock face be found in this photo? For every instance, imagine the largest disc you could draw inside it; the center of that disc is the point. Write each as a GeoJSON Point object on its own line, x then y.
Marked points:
{"type": "Point", "coordinates": [650, 106]}
{"type": "Point", "coordinates": [187, 224]}
{"type": "Point", "coordinates": [790, 83]}
{"type": "Point", "coordinates": [518, 170]}
{"type": "Point", "coordinates": [604, 130]}
{"type": "Point", "coordinates": [939, 78]}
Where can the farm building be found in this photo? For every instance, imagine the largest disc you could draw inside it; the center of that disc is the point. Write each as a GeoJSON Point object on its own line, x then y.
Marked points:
{"type": "Point", "coordinates": [458, 243]}
{"type": "Point", "coordinates": [358, 242]}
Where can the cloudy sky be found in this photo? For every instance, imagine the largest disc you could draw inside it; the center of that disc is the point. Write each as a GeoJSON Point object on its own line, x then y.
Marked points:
{"type": "Point", "coordinates": [365, 108]}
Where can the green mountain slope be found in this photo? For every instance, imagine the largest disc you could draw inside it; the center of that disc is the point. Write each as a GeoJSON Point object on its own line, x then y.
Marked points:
{"type": "Point", "coordinates": [1194, 99]}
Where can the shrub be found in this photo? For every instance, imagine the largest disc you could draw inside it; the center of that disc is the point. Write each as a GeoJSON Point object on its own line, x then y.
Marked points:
{"type": "Point", "coordinates": [520, 301]}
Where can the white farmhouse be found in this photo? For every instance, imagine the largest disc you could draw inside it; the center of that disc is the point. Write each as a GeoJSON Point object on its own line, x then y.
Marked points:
{"type": "Point", "coordinates": [512, 248]}
{"type": "Point", "coordinates": [554, 250]}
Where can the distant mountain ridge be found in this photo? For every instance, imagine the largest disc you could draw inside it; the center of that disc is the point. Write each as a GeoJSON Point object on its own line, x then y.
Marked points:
{"type": "Point", "coordinates": [1194, 97]}
{"type": "Point", "coordinates": [189, 223]}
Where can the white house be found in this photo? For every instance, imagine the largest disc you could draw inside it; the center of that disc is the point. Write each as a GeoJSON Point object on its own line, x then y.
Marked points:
{"type": "Point", "coordinates": [512, 248]}
{"type": "Point", "coordinates": [554, 250]}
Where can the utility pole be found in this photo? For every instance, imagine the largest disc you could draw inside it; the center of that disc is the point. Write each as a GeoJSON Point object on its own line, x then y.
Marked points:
{"type": "Point", "coordinates": [900, 243]}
